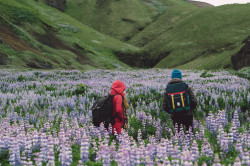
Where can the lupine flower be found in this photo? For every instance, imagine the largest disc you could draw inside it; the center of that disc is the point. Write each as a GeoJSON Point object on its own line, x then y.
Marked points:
{"type": "Point", "coordinates": [236, 119]}
{"type": "Point", "coordinates": [23, 158]}
{"type": "Point", "coordinates": [237, 162]}
{"type": "Point", "coordinates": [230, 139]}
{"type": "Point", "coordinates": [138, 157]}
{"type": "Point", "coordinates": [187, 159]}
{"type": "Point", "coordinates": [28, 115]}
{"type": "Point", "coordinates": [15, 153]}
{"type": "Point", "coordinates": [216, 160]}
{"type": "Point", "coordinates": [84, 149]}
{"type": "Point", "coordinates": [224, 143]}
{"type": "Point", "coordinates": [195, 151]}
{"type": "Point", "coordinates": [245, 157]}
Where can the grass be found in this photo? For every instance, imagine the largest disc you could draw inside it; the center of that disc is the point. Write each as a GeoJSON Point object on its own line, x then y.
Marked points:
{"type": "Point", "coordinates": [89, 34]}
{"type": "Point", "coordinates": [190, 33]}
{"type": "Point", "coordinates": [110, 17]}
{"type": "Point", "coordinates": [32, 19]}
{"type": "Point", "coordinates": [244, 73]}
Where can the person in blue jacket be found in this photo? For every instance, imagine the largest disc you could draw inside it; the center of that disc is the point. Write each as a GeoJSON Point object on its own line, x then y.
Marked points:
{"type": "Point", "coordinates": [179, 101]}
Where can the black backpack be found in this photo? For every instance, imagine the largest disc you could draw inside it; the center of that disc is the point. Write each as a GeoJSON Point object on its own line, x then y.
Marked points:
{"type": "Point", "coordinates": [102, 111]}
{"type": "Point", "coordinates": [178, 98]}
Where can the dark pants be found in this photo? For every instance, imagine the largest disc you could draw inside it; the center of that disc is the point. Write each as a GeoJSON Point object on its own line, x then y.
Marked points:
{"type": "Point", "coordinates": [185, 121]}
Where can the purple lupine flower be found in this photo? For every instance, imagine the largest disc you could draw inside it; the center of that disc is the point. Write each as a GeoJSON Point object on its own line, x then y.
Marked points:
{"type": "Point", "coordinates": [245, 157]}
{"type": "Point", "coordinates": [244, 139]}
{"type": "Point", "coordinates": [133, 155]}
{"type": "Point", "coordinates": [44, 148]}
{"type": "Point", "coordinates": [197, 136]}
{"type": "Point", "coordinates": [65, 155]}
{"type": "Point", "coordinates": [29, 162]}
{"type": "Point", "coordinates": [204, 164]}
{"type": "Point", "coordinates": [120, 159]}
{"type": "Point", "coordinates": [23, 158]}
{"type": "Point", "coordinates": [161, 150]}
{"type": "Point", "coordinates": [195, 151]}
{"type": "Point", "coordinates": [236, 119]}
{"type": "Point", "coordinates": [138, 157]}
{"type": "Point", "coordinates": [175, 156]}
{"type": "Point", "coordinates": [51, 157]}
{"type": "Point", "coordinates": [2, 145]}
{"type": "Point", "coordinates": [68, 136]}
{"type": "Point", "coordinates": [206, 149]}
{"type": "Point", "coordinates": [230, 139]}
{"type": "Point", "coordinates": [187, 159]}
{"type": "Point", "coordinates": [149, 162]}
{"type": "Point", "coordinates": [38, 160]}
{"type": "Point", "coordinates": [105, 155]}
{"type": "Point", "coordinates": [15, 158]}
{"type": "Point", "coordinates": [144, 126]}
{"type": "Point", "coordinates": [235, 132]}
{"type": "Point", "coordinates": [166, 161]}
{"type": "Point", "coordinates": [139, 137]}
{"type": "Point", "coordinates": [170, 147]}
{"type": "Point", "coordinates": [237, 162]}
{"type": "Point", "coordinates": [238, 147]}
{"type": "Point", "coordinates": [77, 137]}
{"type": "Point", "coordinates": [28, 146]}
{"type": "Point", "coordinates": [84, 148]}
{"type": "Point", "coordinates": [216, 160]}
{"type": "Point", "coordinates": [187, 139]}
{"type": "Point", "coordinates": [80, 163]}
{"type": "Point", "coordinates": [35, 140]}
{"type": "Point", "coordinates": [224, 143]}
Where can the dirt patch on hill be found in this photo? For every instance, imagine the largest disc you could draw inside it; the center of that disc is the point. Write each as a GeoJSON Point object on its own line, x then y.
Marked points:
{"type": "Point", "coordinates": [199, 4]}
{"type": "Point", "coordinates": [58, 4]}
{"type": "Point", "coordinates": [12, 40]}
{"type": "Point", "coordinates": [52, 41]}
{"type": "Point", "coordinates": [242, 58]}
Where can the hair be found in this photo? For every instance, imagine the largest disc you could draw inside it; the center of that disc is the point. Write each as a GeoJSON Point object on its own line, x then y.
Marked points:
{"type": "Point", "coordinates": [125, 101]}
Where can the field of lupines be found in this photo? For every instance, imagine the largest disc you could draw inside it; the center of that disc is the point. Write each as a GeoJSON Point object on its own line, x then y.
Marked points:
{"type": "Point", "coordinates": [45, 119]}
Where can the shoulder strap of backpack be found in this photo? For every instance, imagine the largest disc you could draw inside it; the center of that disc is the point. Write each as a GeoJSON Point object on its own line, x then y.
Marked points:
{"type": "Point", "coordinates": [114, 95]}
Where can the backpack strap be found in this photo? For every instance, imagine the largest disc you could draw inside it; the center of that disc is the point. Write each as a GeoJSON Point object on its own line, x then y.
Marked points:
{"type": "Point", "coordinates": [114, 95]}
{"type": "Point", "coordinates": [182, 100]}
{"type": "Point", "coordinates": [173, 101]}
{"type": "Point", "coordinates": [113, 98]}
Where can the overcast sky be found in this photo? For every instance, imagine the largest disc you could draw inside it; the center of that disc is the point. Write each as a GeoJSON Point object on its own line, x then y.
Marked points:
{"type": "Point", "coordinates": [223, 2]}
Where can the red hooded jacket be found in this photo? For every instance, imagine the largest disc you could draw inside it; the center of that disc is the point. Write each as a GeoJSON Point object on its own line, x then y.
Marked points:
{"type": "Point", "coordinates": [117, 88]}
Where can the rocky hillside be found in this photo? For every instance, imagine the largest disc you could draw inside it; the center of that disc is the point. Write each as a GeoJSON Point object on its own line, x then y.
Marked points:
{"type": "Point", "coordinates": [58, 4]}
{"type": "Point", "coordinates": [242, 58]}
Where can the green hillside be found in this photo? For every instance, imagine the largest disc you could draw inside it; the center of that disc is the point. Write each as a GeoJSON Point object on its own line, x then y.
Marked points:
{"type": "Point", "coordinates": [35, 35]}
{"type": "Point", "coordinates": [121, 19]}
{"type": "Point", "coordinates": [201, 38]}
{"type": "Point", "coordinates": [93, 34]}
{"type": "Point", "coordinates": [171, 33]}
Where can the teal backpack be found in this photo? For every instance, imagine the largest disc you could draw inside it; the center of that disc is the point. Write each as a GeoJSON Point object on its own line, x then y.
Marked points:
{"type": "Point", "coordinates": [178, 98]}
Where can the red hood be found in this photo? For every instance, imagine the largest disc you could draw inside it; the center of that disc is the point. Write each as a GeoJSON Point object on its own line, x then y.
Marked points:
{"type": "Point", "coordinates": [118, 87]}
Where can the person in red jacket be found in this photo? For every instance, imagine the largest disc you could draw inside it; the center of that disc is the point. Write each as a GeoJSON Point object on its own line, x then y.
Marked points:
{"type": "Point", "coordinates": [120, 104]}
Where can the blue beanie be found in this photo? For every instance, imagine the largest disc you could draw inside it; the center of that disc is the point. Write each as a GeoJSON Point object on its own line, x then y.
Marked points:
{"type": "Point", "coordinates": [176, 74]}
